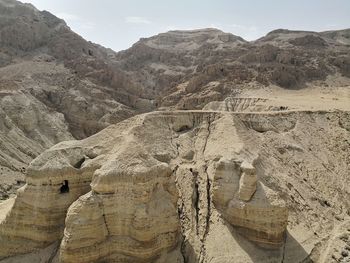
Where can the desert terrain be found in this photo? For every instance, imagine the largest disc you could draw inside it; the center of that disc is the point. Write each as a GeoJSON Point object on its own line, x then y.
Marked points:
{"type": "Point", "coordinates": [190, 146]}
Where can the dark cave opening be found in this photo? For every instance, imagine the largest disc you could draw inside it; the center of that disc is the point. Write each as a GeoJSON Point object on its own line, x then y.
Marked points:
{"type": "Point", "coordinates": [65, 187]}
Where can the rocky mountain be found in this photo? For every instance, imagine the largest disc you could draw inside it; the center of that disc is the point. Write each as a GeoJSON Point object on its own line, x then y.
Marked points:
{"type": "Point", "coordinates": [254, 170]}
{"type": "Point", "coordinates": [54, 75]}
{"type": "Point", "coordinates": [54, 86]}
{"type": "Point", "coordinates": [192, 68]}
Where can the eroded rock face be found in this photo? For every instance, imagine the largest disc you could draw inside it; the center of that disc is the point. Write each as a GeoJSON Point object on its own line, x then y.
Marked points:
{"type": "Point", "coordinates": [77, 88]}
{"type": "Point", "coordinates": [140, 195]}
{"type": "Point", "coordinates": [257, 211]}
{"type": "Point", "coordinates": [167, 187]}
{"type": "Point", "coordinates": [154, 188]}
{"type": "Point", "coordinates": [37, 218]}
{"type": "Point", "coordinates": [130, 215]}
{"type": "Point", "coordinates": [247, 183]}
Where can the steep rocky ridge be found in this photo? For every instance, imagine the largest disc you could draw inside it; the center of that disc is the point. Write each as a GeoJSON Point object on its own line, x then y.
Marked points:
{"type": "Point", "coordinates": [46, 93]}
{"type": "Point", "coordinates": [192, 68]}
{"type": "Point", "coordinates": [86, 87]}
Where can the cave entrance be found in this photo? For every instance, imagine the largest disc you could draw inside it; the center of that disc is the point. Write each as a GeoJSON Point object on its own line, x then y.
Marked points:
{"type": "Point", "coordinates": [65, 187]}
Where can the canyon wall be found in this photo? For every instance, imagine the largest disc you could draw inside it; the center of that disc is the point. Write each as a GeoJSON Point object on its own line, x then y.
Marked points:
{"type": "Point", "coordinates": [190, 186]}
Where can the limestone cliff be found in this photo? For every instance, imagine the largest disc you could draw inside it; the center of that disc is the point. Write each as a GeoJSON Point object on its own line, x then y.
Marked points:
{"type": "Point", "coordinates": [257, 169]}
{"type": "Point", "coordinates": [65, 87]}
{"type": "Point", "coordinates": [185, 187]}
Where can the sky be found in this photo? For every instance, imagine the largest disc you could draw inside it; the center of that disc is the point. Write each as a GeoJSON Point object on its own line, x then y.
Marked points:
{"type": "Point", "coordinates": [118, 24]}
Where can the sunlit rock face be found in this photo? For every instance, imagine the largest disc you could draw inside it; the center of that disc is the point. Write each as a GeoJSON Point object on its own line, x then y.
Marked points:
{"type": "Point", "coordinates": [57, 86]}
{"type": "Point", "coordinates": [183, 186]}
{"type": "Point", "coordinates": [129, 216]}
{"type": "Point", "coordinates": [257, 211]}
{"type": "Point", "coordinates": [37, 217]}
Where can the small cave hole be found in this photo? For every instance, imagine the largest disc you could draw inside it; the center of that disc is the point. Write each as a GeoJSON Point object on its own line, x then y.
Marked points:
{"type": "Point", "coordinates": [65, 187]}
{"type": "Point", "coordinates": [183, 128]}
{"type": "Point", "coordinates": [79, 163]}
{"type": "Point", "coordinates": [325, 202]}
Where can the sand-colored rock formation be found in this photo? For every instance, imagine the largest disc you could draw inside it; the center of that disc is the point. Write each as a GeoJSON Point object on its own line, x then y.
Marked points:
{"type": "Point", "coordinates": [260, 173]}
{"type": "Point", "coordinates": [129, 216]}
{"type": "Point", "coordinates": [257, 211]}
{"type": "Point", "coordinates": [247, 182]}
{"type": "Point", "coordinates": [77, 88]}
{"type": "Point", "coordinates": [168, 187]}
{"type": "Point", "coordinates": [44, 200]}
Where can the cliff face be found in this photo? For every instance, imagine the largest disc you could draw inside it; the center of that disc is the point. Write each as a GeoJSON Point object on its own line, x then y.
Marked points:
{"type": "Point", "coordinates": [187, 187]}
{"type": "Point", "coordinates": [65, 87]}
{"type": "Point", "coordinates": [255, 171]}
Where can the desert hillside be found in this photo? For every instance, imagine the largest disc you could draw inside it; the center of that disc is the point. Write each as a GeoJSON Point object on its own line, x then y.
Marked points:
{"type": "Point", "coordinates": [190, 146]}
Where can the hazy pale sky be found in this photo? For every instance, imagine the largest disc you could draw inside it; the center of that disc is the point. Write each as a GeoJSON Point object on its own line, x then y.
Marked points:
{"type": "Point", "coordinates": [118, 24]}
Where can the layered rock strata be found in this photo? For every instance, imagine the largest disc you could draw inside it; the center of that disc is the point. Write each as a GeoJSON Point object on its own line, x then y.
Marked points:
{"type": "Point", "coordinates": [256, 211]}
{"type": "Point", "coordinates": [169, 187]}
{"type": "Point", "coordinates": [56, 86]}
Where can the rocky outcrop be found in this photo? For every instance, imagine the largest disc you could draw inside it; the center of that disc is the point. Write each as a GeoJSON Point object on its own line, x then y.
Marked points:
{"type": "Point", "coordinates": [146, 230]}
{"type": "Point", "coordinates": [130, 214]}
{"type": "Point", "coordinates": [219, 185]}
{"type": "Point", "coordinates": [86, 87]}
{"type": "Point", "coordinates": [257, 211]}
{"type": "Point", "coordinates": [48, 193]}
{"type": "Point", "coordinates": [168, 187]}
{"type": "Point", "coordinates": [247, 182]}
